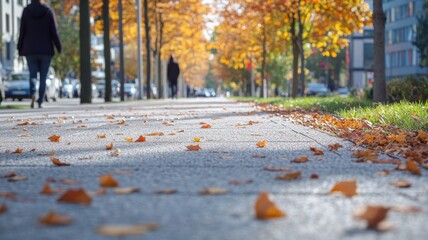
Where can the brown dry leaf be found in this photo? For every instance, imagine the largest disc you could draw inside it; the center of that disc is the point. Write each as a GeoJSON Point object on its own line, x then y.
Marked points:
{"type": "Point", "coordinates": [69, 181]}
{"type": "Point", "coordinates": [121, 121]}
{"type": "Point", "coordinates": [412, 167]}
{"type": "Point", "coordinates": [265, 207]}
{"type": "Point", "coordinates": [54, 138]}
{"type": "Point", "coordinates": [128, 139]}
{"type": "Point", "coordinates": [76, 196]}
{"type": "Point", "coordinates": [374, 215]}
{"type": "Point", "coordinates": [261, 144]}
{"type": "Point", "coordinates": [33, 150]}
{"type": "Point", "coordinates": [401, 184]}
{"type": "Point", "coordinates": [126, 190]}
{"type": "Point", "coordinates": [275, 169]}
{"type": "Point", "coordinates": [314, 176]}
{"type": "Point", "coordinates": [384, 172]}
{"type": "Point", "coordinates": [101, 136]}
{"type": "Point", "coordinates": [126, 230]}
{"type": "Point", "coordinates": [110, 117]}
{"type": "Point", "coordinates": [193, 147]}
{"type": "Point", "coordinates": [53, 218]}
{"type": "Point", "coordinates": [240, 181]}
{"type": "Point", "coordinates": [289, 176]}
{"type": "Point", "coordinates": [8, 195]}
{"type": "Point", "coordinates": [258, 156]}
{"type": "Point", "coordinates": [109, 147]}
{"type": "Point", "coordinates": [51, 153]}
{"type": "Point", "coordinates": [166, 191]}
{"type": "Point", "coordinates": [206, 126]}
{"type": "Point", "coordinates": [141, 139]}
{"type": "Point", "coordinates": [316, 151]}
{"type": "Point", "coordinates": [19, 150]}
{"type": "Point", "coordinates": [58, 163]}
{"type": "Point", "coordinates": [196, 139]}
{"type": "Point", "coordinates": [153, 134]}
{"type": "Point", "coordinates": [116, 153]}
{"type": "Point", "coordinates": [347, 188]}
{"type": "Point", "coordinates": [47, 190]}
{"type": "Point", "coordinates": [108, 181]}
{"type": "Point", "coordinates": [8, 175]}
{"type": "Point", "coordinates": [17, 178]}
{"type": "Point", "coordinates": [213, 191]}
{"type": "Point", "coordinates": [301, 159]}
{"type": "Point", "coordinates": [3, 208]}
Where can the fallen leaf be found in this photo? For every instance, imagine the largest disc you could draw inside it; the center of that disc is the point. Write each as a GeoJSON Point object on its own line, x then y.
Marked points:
{"type": "Point", "coordinates": [384, 172]}
{"type": "Point", "coordinates": [412, 167]}
{"type": "Point", "coordinates": [24, 135]}
{"type": "Point", "coordinates": [17, 178]}
{"type": "Point", "coordinates": [108, 181]}
{"type": "Point", "coordinates": [8, 175]}
{"type": "Point", "coordinates": [196, 139]}
{"type": "Point", "coordinates": [301, 159]}
{"type": "Point", "coordinates": [85, 158]}
{"type": "Point", "coordinates": [128, 139]}
{"type": "Point", "coordinates": [51, 153]}
{"type": "Point", "coordinates": [3, 208]}
{"type": "Point", "coordinates": [206, 126]}
{"type": "Point", "coordinates": [47, 190]}
{"type": "Point", "coordinates": [126, 230]}
{"type": "Point", "coordinates": [58, 163]}
{"type": "Point", "coordinates": [401, 184]}
{"type": "Point", "coordinates": [76, 196]}
{"type": "Point", "coordinates": [69, 181]}
{"type": "Point", "coordinates": [316, 151]}
{"type": "Point", "coordinates": [126, 190]}
{"type": "Point", "coordinates": [121, 121]}
{"type": "Point", "coordinates": [110, 117]}
{"type": "Point", "coordinates": [101, 136]}
{"type": "Point", "coordinates": [109, 147]}
{"type": "Point", "coordinates": [240, 181]}
{"type": "Point", "coordinates": [8, 195]}
{"type": "Point", "coordinates": [155, 134]}
{"type": "Point", "coordinates": [116, 153]}
{"type": "Point", "coordinates": [289, 176]}
{"type": "Point", "coordinates": [275, 169]}
{"type": "Point", "coordinates": [53, 218]}
{"type": "Point", "coordinates": [314, 176]}
{"type": "Point", "coordinates": [261, 144]}
{"type": "Point", "coordinates": [54, 138]}
{"type": "Point", "coordinates": [122, 172]}
{"type": "Point", "coordinates": [19, 150]}
{"type": "Point", "coordinates": [213, 191]}
{"type": "Point", "coordinates": [33, 150]}
{"type": "Point", "coordinates": [141, 139]}
{"type": "Point", "coordinates": [193, 147]}
{"type": "Point", "coordinates": [374, 215]}
{"type": "Point", "coordinates": [405, 209]}
{"type": "Point", "coordinates": [347, 188]}
{"type": "Point", "coordinates": [166, 191]}
{"type": "Point", "coordinates": [266, 209]}
{"type": "Point", "coordinates": [258, 156]}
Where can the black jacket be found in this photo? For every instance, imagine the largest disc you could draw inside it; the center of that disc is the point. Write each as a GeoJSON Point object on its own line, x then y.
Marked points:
{"type": "Point", "coordinates": [173, 71]}
{"type": "Point", "coordinates": [38, 31]}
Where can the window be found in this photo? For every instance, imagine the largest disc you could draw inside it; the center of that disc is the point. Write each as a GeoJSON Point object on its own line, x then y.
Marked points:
{"type": "Point", "coordinates": [368, 33]}
{"type": "Point", "coordinates": [368, 55]}
{"type": "Point", "coordinates": [7, 23]}
{"type": "Point", "coordinates": [8, 51]}
{"type": "Point", "coordinates": [410, 57]}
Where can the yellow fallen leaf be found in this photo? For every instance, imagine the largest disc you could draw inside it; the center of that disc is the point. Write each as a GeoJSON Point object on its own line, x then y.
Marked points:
{"type": "Point", "coordinates": [196, 139]}
{"type": "Point", "coordinates": [347, 188]}
{"type": "Point", "coordinates": [261, 144]}
{"type": "Point", "coordinates": [193, 147]}
{"type": "Point", "coordinates": [213, 191]}
{"type": "Point", "coordinates": [54, 138]}
{"type": "Point", "coordinates": [52, 218]}
{"type": "Point", "coordinates": [126, 230]}
{"type": "Point", "coordinates": [289, 176]}
{"type": "Point", "coordinates": [128, 139]}
{"type": "Point", "coordinates": [266, 209]}
{"type": "Point", "coordinates": [108, 181]}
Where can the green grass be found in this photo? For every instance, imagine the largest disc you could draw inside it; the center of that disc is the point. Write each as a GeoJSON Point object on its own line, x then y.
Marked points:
{"type": "Point", "coordinates": [397, 114]}
{"type": "Point", "coordinates": [13, 107]}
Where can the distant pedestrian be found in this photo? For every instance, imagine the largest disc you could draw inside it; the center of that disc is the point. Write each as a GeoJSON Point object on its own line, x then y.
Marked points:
{"type": "Point", "coordinates": [37, 35]}
{"type": "Point", "coordinates": [173, 71]}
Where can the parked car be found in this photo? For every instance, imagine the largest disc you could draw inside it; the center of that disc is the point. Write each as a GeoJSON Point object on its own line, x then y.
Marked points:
{"type": "Point", "coordinates": [343, 92]}
{"type": "Point", "coordinates": [67, 88]}
{"type": "Point", "coordinates": [17, 86]}
{"type": "Point", "coordinates": [212, 92]}
{"type": "Point", "coordinates": [115, 88]}
{"type": "Point", "coordinates": [130, 90]}
{"type": "Point", "coordinates": [317, 89]}
{"type": "Point", "coordinates": [202, 92]}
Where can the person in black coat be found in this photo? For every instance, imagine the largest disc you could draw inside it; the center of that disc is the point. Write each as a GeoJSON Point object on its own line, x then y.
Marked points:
{"type": "Point", "coordinates": [37, 35]}
{"type": "Point", "coordinates": [173, 71]}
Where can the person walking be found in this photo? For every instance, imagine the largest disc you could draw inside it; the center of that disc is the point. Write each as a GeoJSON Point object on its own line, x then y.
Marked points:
{"type": "Point", "coordinates": [37, 35]}
{"type": "Point", "coordinates": [173, 71]}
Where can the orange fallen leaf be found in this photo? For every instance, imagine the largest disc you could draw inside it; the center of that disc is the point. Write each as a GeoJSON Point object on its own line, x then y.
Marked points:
{"type": "Point", "coordinates": [213, 191]}
{"type": "Point", "coordinates": [401, 184]}
{"type": "Point", "coordinates": [412, 167]}
{"type": "Point", "coordinates": [128, 139]}
{"type": "Point", "coordinates": [121, 121]}
{"type": "Point", "coordinates": [374, 215]}
{"type": "Point", "coordinates": [126, 230]}
{"type": "Point", "coordinates": [47, 190]}
{"type": "Point", "coordinates": [347, 188]}
{"type": "Point", "coordinates": [141, 139]}
{"type": "Point", "coordinates": [3, 208]}
{"type": "Point", "coordinates": [108, 181]}
{"type": "Point", "coordinates": [58, 163]}
{"type": "Point", "coordinates": [206, 126]}
{"type": "Point", "coordinates": [54, 138]}
{"type": "Point", "coordinates": [266, 209]}
{"type": "Point", "coordinates": [17, 178]}
{"type": "Point", "coordinates": [126, 190]}
{"type": "Point", "coordinates": [109, 147]}
{"type": "Point", "coordinates": [101, 136]}
{"type": "Point", "coordinates": [261, 144]}
{"type": "Point", "coordinates": [101, 192]}
{"type": "Point", "coordinates": [196, 139]}
{"type": "Point", "coordinates": [53, 218]}
{"type": "Point", "coordinates": [289, 176]}
{"type": "Point", "coordinates": [19, 150]}
{"type": "Point", "coordinates": [166, 191]}
{"type": "Point", "coordinates": [193, 147]}
{"type": "Point", "coordinates": [316, 151]}
{"type": "Point", "coordinates": [76, 196]}
{"type": "Point", "coordinates": [301, 159]}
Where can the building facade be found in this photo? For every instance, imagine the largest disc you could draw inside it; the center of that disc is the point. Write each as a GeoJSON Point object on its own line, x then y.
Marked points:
{"type": "Point", "coordinates": [10, 19]}
{"type": "Point", "coordinates": [402, 57]}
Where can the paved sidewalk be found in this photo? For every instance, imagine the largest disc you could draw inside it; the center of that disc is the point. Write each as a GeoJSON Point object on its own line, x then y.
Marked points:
{"type": "Point", "coordinates": [229, 152]}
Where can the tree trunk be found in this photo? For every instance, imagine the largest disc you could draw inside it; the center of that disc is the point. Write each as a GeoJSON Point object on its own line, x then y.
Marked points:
{"type": "Point", "coordinates": [295, 47]}
{"type": "Point", "coordinates": [121, 54]}
{"type": "Point", "coordinates": [302, 54]}
{"type": "Point", "coordinates": [379, 19]}
{"type": "Point", "coordinates": [107, 54]}
{"type": "Point", "coordinates": [160, 84]}
{"type": "Point", "coordinates": [264, 85]}
{"type": "Point", "coordinates": [85, 53]}
{"type": "Point", "coordinates": [148, 61]}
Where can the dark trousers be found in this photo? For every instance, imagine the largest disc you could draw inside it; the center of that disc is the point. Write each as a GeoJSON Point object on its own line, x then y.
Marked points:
{"type": "Point", "coordinates": [174, 90]}
{"type": "Point", "coordinates": [38, 64]}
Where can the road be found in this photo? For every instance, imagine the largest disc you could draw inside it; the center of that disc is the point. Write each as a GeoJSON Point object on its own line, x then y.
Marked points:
{"type": "Point", "coordinates": [228, 153]}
